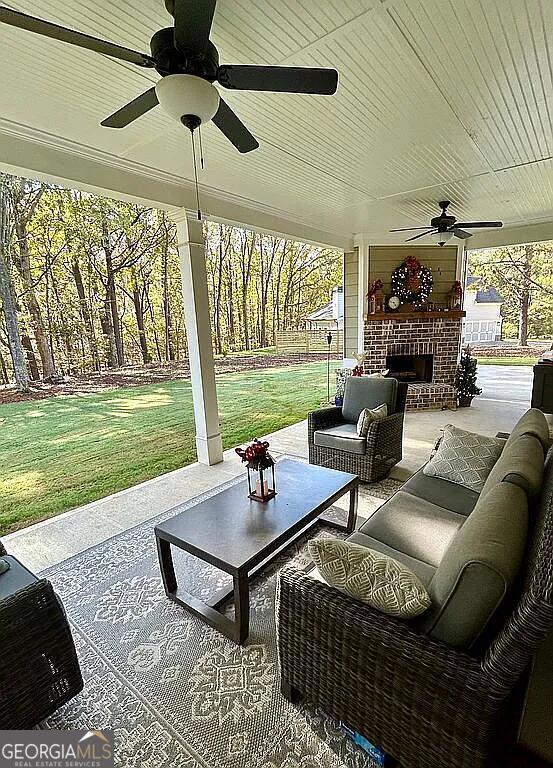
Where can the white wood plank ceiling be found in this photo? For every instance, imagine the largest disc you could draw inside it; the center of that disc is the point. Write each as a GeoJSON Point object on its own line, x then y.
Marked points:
{"type": "Point", "coordinates": [437, 98]}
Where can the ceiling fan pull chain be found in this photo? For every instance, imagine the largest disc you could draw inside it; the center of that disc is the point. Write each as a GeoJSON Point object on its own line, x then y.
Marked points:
{"type": "Point", "coordinates": [201, 147]}
{"type": "Point", "coordinates": [196, 176]}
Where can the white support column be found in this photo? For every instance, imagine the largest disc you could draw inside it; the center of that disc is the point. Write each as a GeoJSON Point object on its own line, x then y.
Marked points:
{"type": "Point", "coordinates": [362, 244]}
{"type": "Point", "coordinates": [191, 247]}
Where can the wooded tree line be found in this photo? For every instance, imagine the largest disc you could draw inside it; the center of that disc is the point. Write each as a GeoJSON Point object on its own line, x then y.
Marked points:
{"type": "Point", "coordinates": [88, 283]}
{"type": "Point", "coordinates": [523, 275]}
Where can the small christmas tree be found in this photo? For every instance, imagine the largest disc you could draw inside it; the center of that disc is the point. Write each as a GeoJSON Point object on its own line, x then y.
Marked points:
{"type": "Point", "coordinates": [465, 378]}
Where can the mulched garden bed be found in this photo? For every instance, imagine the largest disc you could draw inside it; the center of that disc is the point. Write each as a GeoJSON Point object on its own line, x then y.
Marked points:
{"type": "Point", "coordinates": [137, 376]}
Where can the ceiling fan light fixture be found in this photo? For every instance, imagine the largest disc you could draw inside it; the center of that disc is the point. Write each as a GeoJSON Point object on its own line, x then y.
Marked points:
{"type": "Point", "coordinates": [181, 95]}
{"type": "Point", "coordinates": [441, 238]}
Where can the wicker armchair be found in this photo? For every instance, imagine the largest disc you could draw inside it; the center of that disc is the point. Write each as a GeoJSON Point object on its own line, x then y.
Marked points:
{"type": "Point", "coordinates": [384, 439]}
{"type": "Point", "coordinates": [423, 702]}
{"type": "Point", "coordinates": [39, 670]}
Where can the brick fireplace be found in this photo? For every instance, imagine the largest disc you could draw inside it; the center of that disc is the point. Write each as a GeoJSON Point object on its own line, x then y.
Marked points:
{"type": "Point", "coordinates": [420, 348]}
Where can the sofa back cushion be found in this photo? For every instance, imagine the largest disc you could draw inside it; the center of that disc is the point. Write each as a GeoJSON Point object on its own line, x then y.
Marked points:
{"type": "Point", "coordinates": [531, 620]}
{"type": "Point", "coordinates": [364, 392]}
{"type": "Point", "coordinates": [479, 567]}
{"type": "Point", "coordinates": [534, 423]}
{"type": "Point", "coordinates": [520, 463]}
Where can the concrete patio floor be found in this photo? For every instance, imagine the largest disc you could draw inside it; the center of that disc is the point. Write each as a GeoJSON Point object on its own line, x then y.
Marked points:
{"type": "Point", "coordinates": [47, 543]}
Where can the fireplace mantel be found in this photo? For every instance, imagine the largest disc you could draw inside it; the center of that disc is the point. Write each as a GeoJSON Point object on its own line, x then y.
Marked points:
{"type": "Point", "coordinates": [398, 317]}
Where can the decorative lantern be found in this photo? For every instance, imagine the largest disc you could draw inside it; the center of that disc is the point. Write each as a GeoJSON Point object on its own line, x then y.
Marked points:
{"type": "Point", "coordinates": [375, 297]}
{"type": "Point", "coordinates": [455, 296]}
{"type": "Point", "coordinates": [261, 470]}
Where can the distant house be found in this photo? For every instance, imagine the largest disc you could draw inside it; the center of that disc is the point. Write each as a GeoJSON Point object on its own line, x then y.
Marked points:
{"type": "Point", "coordinates": [483, 307]}
{"type": "Point", "coordinates": [329, 317]}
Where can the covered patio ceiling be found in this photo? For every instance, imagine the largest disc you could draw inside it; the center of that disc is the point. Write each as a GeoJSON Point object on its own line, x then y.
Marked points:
{"type": "Point", "coordinates": [437, 99]}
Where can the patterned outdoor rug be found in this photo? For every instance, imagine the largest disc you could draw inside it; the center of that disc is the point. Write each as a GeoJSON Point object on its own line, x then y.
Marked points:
{"type": "Point", "coordinates": [177, 693]}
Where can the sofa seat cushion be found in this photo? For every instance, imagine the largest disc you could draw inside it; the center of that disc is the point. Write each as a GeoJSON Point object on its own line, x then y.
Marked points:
{"type": "Point", "coordinates": [521, 463]}
{"type": "Point", "coordinates": [424, 571]}
{"type": "Point", "coordinates": [452, 496]}
{"type": "Point", "coordinates": [479, 567]}
{"type": "Point", "coordinates": [344, 437]}
{"type": "Point", "coordinates": [534, 423]}
{"type": "Point", "coordinates": [364, 392]}
{"type": "Point", "coordinates": [378, 580]}
{"type": "Point", "coordinates": [414, 526]}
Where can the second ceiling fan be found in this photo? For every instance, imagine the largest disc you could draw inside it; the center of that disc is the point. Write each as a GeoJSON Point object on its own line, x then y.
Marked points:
{"type": "Point", "coordinates": [188, 63]}
{"type": "Point", "coordinates": [445, 226]}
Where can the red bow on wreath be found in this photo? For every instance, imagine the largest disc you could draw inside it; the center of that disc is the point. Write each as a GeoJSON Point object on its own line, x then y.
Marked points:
{"type": "Point", "coordinates": [413, 264]}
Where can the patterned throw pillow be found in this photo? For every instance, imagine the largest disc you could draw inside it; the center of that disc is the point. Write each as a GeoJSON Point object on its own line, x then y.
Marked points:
{"type": "Point", "coordinates": [368, 415]}
{"type": "Point", "coordinates": [465, 458]}
{"type": "Point", "coordinates": [376, 579]}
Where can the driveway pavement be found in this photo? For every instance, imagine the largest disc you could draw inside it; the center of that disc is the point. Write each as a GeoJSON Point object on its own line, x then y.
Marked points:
{"type": "Point", "coordinates": [511, 383]}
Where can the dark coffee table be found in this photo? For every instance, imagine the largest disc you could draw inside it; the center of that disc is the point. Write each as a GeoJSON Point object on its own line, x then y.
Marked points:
{"type": "Point", "coordinates": [241, 536]}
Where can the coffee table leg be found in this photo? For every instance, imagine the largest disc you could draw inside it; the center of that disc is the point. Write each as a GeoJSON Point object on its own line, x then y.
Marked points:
{"type": "Point", "coordinates": [241, 607]}
{"type": "Point", "coordinates": [166, 566]}
{"type": "Point", "coordinates": [353, 502]}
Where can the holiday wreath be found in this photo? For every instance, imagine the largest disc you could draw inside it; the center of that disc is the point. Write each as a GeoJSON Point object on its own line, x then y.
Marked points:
{"type": "Point", "coordinates": [411, 281]}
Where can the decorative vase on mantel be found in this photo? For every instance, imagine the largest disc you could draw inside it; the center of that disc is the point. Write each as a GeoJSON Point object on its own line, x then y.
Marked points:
{"type": "Point", "coordinates": [261, 470]}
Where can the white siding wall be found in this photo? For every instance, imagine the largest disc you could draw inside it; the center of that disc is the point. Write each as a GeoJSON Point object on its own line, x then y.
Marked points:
{"type": "Point", "coordinates": [351, 311]}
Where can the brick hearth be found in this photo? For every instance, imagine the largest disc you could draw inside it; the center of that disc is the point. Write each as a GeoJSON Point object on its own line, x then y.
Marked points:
{"type": "Point", "coordinates": [437, 334]}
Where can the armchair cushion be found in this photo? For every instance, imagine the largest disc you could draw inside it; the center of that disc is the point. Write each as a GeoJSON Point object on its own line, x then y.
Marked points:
{"type": "Point", "coordinates": [364, 392]}
{"type": "Point", "coordinates": [343, 437]}
{"type": "Point", "coordinates": [371, 577]}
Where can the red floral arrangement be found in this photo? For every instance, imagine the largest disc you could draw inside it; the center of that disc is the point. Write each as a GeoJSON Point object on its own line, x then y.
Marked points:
{"type": "Point", "coordinates": [374, 288]}
{"type": "Point", "coordinates": [256, 455]}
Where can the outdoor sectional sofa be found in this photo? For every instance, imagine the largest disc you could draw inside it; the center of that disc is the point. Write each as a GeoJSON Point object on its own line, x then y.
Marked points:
{"type": "Point", "coordinates": [443, 690]}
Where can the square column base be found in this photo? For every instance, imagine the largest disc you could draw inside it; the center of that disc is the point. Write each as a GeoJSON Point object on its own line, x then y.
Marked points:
{"type": "Point", "coordinates": [209, 449]}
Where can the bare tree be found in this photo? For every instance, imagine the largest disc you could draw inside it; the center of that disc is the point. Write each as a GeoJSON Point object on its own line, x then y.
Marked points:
{"type": "Point", "coordinates": [6, 292]}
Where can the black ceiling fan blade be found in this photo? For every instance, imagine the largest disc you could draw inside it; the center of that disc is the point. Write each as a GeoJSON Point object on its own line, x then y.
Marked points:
{"type": "Point", "coordinates": [131, 111]}
{"type": "Point", "coordinates": [54, 31]}
{"type": "Point", "coordinates": [422, 234]}
{"type": "Point", "coordinates": [476, 224]}
{"type": "Point", "coordinates": [460, 233]}
{"type": "Point", "coordinates": [193, 19]}
{"type": "Point", "coordinates": [410, 229]}
{"type": "Point", "coordinates": [284, 79]}
{"type": "Point", "coordinates": [234, 129]}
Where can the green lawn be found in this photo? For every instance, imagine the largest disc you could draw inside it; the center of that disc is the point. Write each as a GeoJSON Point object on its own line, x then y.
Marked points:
{"type": "Point", "coordinates": [62, 452]}
{"type": "Point", "coordinates": [507, 360]}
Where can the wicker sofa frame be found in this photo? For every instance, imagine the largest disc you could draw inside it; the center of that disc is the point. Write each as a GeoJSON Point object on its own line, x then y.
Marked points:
{"type": "Point", "coordinates": [424, 703]}
{"type": "Point", "coordinates": [384, 442]}
{"type": "Point", "coordinates": [39, 670]}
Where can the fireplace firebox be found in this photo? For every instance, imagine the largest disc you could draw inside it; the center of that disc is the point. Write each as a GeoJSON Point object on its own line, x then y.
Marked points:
{"type": "Point", "coordinates": [412, 369]}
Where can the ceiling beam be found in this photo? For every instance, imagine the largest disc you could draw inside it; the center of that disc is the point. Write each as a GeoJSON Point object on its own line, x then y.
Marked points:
{"type": "Point", "coordinates": [22, 156]}
{"type": "Point", "coordinates": [494, 238]}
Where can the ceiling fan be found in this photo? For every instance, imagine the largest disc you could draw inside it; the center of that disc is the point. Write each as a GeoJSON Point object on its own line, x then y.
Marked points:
{"type": "Point", "coordinates": [188, 63]}
{"type": "Point", "coordinates": [443, 227]}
